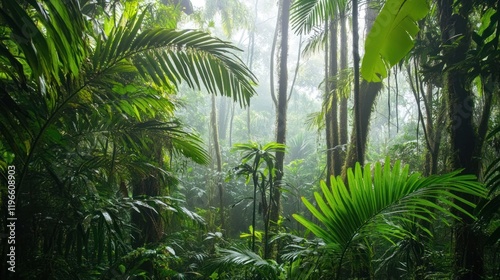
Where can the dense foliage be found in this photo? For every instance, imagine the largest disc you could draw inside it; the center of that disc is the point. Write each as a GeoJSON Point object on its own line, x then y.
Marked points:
{"type": "Point", "coordinates": [136, 144]}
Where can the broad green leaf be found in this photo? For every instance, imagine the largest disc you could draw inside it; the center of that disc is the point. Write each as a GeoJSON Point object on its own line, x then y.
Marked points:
{"type": "Point", "coordinates": [391, 36]}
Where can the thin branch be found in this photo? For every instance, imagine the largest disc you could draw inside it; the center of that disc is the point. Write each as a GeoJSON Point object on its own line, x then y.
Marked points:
{"type": "Point", "coordinates": [271, 66]}
{"type": "Point", "coordinates": [296, 69]}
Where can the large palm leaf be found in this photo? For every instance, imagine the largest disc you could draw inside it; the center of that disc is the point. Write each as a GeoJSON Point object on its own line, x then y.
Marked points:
{"type": "Point", "coordinates": [167, 57]}
{"type": "Point", "coordinates": [376, 203]}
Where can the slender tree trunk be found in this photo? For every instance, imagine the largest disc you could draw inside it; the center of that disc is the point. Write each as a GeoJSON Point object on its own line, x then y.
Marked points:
{"type": "Point", "coordinates": [271, 62]}
{"type": "Point", "coordinates": [250, 66]}
{"type": "Point", "coordinates": [218, 161]}
{"type": "Point", "coordinates": [249, 124]}
{"type": "Point", "coordinates": [333, 65]}
{"type": "Point", "coordinates": [397, 100]}
{"type": "Point", "coordinates": [223, 116]}
{"type": "Point", "coordinates": [434, 126]}
{"type": "Point", "coordinates": [281, 114]}
{"type": "Point", "coordinates": [331, 117]}
{"type": "Point", "coordinates": [358, 148]}
{"type": "Point", "coordinates": [429, 153]}
{"type": "Point", "coordinates": [326, 104]}
{"type": "Point", "coordinates": [465, 144]}
{"type": "Point", "coordinates": [296, 72]}
{"type": "Point", "coordinates": [422, 96]}
{"type": "Point", "coordinates": [231, 121]}
{"type": "Point", "coordinates": [343, 125]}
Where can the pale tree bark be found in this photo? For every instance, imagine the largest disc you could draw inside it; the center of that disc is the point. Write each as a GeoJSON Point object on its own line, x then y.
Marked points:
{"type": "Point", "coordinates": [223, 117]}
{"type": "Point", "coordinates": [218, 160]}
{"type": "Point", "coordinates": [250, 66]}
{"type": "Point", "coordinates": [281, 115]}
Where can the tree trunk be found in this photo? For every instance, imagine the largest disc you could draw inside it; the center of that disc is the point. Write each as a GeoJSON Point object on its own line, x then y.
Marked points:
{"type": "Point", "coordinates": [364, 102]}
{"type": "Point", "coordinates": [218, 161]}
{"type": "Point", "coordinates": [331, 117]}
{"type": "Point", "coordinates": [149, 223]}
{"type": "Point", "coordinates": [250, 66]}
{"type": "Point", "coordinates": [465, 145]}
{"type": "Point", "coordinates": [231, 122]}
{"type": "Point", "coordinates": [358, 147]}
{"type": "Point", "coordinates": [429, 127]}
{"type": "Point", "coordinates": [343, 125]}
{"type": "Point", "coordinates": [281, 115]}
{"type": "Point", "coordinates": [223, 117]}
{"type": "Point", "coordinates": [368, 95]}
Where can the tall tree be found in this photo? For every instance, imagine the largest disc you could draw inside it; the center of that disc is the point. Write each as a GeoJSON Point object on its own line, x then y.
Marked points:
{"type": "Point", "coordinates": [359, 133]}
{"type": "Point", "coordinates": [331, 117]}
{"type": "Point", "coordinates": [218, 160]}
{"type": "Point", "coordinates": [307, 15]}
{"type": "Point", "coordinates": [463, 62]}
{"type": "Point", "coordinates": [466, 135]}
{"type": "Point", "coordinates": [281, 114]}
{"type": "Point", "coordinates": [344, 84]}
{"type": "Point", "coordinates": [431, 116]}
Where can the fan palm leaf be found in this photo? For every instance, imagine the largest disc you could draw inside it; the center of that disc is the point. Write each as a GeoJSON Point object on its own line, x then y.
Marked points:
{"type": "Point", "coordinates": [376, 203]}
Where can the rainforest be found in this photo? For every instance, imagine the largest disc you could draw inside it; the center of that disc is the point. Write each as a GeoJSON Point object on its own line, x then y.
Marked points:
{"type": "Point", "coordinates": [259, 139]}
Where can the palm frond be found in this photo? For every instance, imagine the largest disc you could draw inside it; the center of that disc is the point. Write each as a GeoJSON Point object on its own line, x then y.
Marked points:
{"type": "Point", "coordinates": [489, 208]}
{"type": "Point", "coordinates": [315, 42]}
{"type": "Point", "coordinates": [308, 14]}
{"type": "Point", "coordinates": [243, 259]}
{"type": "Point", "coordinates": [167, 57]}
{"type": "Point", "coordinates": [375, 203]}
{"type": "Point", "coordinates": [62, 22]}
